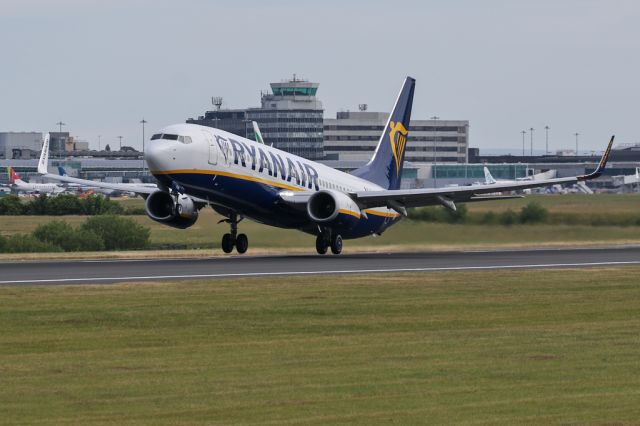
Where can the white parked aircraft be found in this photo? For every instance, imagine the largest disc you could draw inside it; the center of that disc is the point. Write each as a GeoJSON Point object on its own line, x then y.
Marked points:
{"type": "Point", "coordinates": [490, 180]}
{"type": "Point", "coordinates": [17, 184]}
{"type": "Point", "coordinates": [239, 178]}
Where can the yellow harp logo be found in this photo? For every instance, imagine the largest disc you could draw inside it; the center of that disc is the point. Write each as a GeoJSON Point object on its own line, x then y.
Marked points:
{"type": "Point", "coordinates": [397, 143]}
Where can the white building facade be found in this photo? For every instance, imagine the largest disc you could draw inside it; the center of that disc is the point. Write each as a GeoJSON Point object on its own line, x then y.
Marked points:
{"type": "Point", "coordinates": [354, 135]}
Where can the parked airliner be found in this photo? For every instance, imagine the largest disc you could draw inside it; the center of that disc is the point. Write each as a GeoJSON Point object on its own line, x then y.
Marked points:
{"type": "Point", "coordinates": [17, 184]}
{"type": "Point", "coordinates": [198, 166]}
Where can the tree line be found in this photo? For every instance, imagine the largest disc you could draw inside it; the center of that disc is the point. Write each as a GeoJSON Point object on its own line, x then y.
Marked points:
{"type": "Point", "coordinates": [64, 204]}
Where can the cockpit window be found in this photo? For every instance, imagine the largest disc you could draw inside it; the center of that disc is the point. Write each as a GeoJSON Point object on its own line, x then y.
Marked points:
{"type": "Point", "coordinates": [169, 137]}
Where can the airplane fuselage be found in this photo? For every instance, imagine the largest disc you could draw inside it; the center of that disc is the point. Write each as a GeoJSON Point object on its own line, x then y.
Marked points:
{"type": "Point", "coordinates": [241, 175]}
{"type": "Point", "coordinates": [42, 188]}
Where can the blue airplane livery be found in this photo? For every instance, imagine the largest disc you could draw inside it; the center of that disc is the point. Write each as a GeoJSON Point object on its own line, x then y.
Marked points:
{"type": "Point", "coordinates": [197, 166]}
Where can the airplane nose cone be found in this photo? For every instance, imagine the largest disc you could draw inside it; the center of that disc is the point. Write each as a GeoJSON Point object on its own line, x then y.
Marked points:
{"type": "Point", "coordinates": [159, 156]}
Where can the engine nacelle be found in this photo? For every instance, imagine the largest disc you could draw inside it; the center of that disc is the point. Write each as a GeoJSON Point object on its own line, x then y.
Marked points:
{"type": "Point", "coordinates": [161, 207]}
{"type": "Point", "coordinates": [333, 208]}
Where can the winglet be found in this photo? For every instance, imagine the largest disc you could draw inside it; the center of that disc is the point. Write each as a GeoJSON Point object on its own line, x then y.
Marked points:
{"type": "Point", "coordinates": [44, 156]}
{"type": "Point", "coordinates": [603, 163]}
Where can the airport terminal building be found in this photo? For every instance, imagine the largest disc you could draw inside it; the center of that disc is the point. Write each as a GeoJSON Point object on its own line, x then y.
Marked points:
{"type": "Point", "coordinates": [290, 118]}
{"type": "Point", "coordinates": [354, 135]}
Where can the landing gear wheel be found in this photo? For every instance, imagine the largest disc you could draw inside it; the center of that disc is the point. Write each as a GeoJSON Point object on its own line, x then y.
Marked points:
{"type": "Point", "coordinates": [227, 243]}
{"type": "Point", "coordinates": [336, 244]}
{"type": "Point", "coordinates": [242, 243]}
{"type": "Point", "coordinates": [321, 244]}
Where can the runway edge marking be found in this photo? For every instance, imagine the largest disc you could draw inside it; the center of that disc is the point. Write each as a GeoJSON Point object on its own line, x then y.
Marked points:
{"type": "Point", "coordinates": [346, 271]}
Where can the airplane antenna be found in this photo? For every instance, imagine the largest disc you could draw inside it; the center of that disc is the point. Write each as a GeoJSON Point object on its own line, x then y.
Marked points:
{"type": "Point", "coordinates": [217, 102]}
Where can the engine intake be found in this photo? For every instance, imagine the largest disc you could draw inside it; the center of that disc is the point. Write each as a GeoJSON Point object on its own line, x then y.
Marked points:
{"type": "Point", "coordinates": [161, 207]}
{"type": "Point", "coordinates": [333, 208]}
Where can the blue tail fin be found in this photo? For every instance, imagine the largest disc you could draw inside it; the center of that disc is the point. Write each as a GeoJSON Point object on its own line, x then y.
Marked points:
{"type": "Point", "coordinates": [385, 167]}
{"type": "Point", "coordinates": [62, 171]}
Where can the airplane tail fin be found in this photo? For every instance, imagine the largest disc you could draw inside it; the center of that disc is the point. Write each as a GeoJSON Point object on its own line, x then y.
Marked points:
{"type": "Point", "coordinates": [385, 167]}
{"type": "Point", "coordinates": [256, 131]}
{"type": "Point", "coordinates": [43, 163]}
{"type": "Point", "coordinates": [13, 176]}
{"type": "Point", "coordinates": [488, 178]}
{"type": "Point", "coordinates": [62, 171]}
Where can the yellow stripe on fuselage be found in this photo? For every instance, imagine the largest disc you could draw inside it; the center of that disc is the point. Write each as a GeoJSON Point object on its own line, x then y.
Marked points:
{"type": "Point", "coordinates": [349, 212]}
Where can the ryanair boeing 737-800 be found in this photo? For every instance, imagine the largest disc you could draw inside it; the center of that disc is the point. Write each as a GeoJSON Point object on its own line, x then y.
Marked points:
{"type": "Point", "coordinates": [198, 166]}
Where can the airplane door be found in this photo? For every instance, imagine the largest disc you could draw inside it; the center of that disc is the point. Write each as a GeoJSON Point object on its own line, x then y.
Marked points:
{"type": "Point", "coordinates": [213, 150]}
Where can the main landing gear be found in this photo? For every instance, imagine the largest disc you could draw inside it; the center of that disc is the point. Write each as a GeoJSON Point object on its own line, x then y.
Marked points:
{"type": "Point", "coordinates": [327, 239]}
{"type": "Point", "coordinates": [233, 239]}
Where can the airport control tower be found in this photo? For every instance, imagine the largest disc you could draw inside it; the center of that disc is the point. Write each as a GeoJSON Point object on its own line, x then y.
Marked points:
{"type": "Point", "coordinates": [291, 118]}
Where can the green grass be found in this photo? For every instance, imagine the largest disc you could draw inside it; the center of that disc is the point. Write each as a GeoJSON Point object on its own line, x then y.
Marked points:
{"type": "Point", "coordinates": [567, 203]}
{"type": "Point", "coordinates": [511, 347]}
{"type": "Point", "coordinates": [206, 233]}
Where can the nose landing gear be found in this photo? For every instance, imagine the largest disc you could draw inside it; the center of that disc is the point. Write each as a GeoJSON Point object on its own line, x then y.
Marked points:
{"type": "Point", "coordinates": [231, 239]}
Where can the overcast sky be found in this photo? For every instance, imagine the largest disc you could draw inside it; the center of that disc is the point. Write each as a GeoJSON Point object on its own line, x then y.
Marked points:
{"type": "Point", "coordinates": [504, 65]}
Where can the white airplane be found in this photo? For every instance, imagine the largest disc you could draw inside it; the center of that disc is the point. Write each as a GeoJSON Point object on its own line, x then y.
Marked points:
{"type": "Point", "coordinates": [17, 184]}
{"type": "Point", "coordinates": [490, 180]}
{"type": "Point", "coordinates": [239, 178]}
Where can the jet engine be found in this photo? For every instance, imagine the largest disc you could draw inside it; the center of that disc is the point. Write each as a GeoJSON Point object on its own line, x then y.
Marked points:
{"type": "Point", "coordinates": [162, 207]}
{"type": "Point", "coordinates": [333, 208]}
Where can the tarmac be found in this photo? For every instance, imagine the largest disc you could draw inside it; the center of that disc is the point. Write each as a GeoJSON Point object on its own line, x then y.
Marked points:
{"type": "Point", "coordinates": [61, 272]}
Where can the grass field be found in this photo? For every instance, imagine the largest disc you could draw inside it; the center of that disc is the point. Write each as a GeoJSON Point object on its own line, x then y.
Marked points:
{"type": "Point", "coordinates": [512, 347]}
{"type": "Point", "coordinates": [206, 233]}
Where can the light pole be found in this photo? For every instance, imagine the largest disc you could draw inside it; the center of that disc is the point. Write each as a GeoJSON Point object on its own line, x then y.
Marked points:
{"type": "Point", "coordinates": [143, 122]}
{"type": "Point", "coordinates": [60, 123]}
{"type": "Point", "coordinates": [120, 137]}
{"type": "Point", "coordinates": [524, 132]}
{"type": "Point", "coordinates": [576, 134]}
{"type": "Point", "coordinates": [99, 138]}
{"type": "Point", "coordinates": [531, 129]}
{"type": "Point", "coordinates": [546, 129]}
{"type": "Point", "coordinates": [435, 118]}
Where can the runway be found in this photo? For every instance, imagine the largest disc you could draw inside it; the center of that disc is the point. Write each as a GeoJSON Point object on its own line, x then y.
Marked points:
{"type": "Point", "coordinates": [113, 271]}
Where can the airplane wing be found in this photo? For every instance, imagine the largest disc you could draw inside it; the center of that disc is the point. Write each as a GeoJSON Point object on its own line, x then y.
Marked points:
{"type": "Point", "coordinates": [399, 199]}
{"type": "Point", "coordinates": [43, 165]}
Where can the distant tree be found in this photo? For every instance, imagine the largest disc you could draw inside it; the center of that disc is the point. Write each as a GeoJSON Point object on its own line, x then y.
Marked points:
{"type": "Point", "coordinates": [508, 218]}
{"type": "Point", "coordinates": [68, 238]}
{"type": "Point", "coordinates": [12, 205]}
{"type": "Point", "coordinates": [39, 206]}
{"type": "Point", "coordinates": [107, 148]}
{"type": "Point", "coordinates": [533, 213]}
{"type": "Point", "coordinates": [117, 232]}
